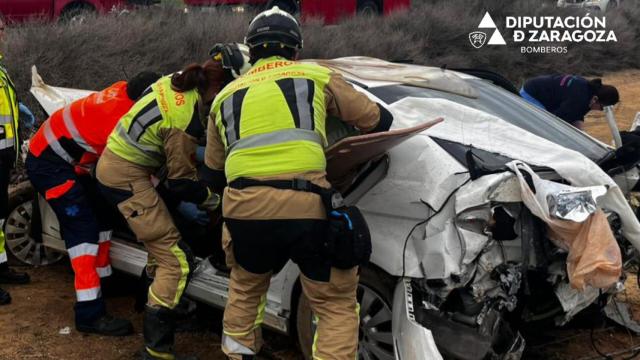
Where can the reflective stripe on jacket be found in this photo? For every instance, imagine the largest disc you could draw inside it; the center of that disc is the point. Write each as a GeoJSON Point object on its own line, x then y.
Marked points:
{"type": "Point", "coordinates": [289, 131]}
{"type": "Point", "coordinates": [9, 135]}
{"type": "Point", "coordinates": [140, 135]}
{"type": "Point", "coordinates": [78, 132]}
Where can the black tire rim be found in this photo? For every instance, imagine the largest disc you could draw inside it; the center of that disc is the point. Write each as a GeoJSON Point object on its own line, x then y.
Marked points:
{"type": "Point", "coordinates": [369, 10]}
{"type": "Point", "coordinates": [375, 338]}
{"type": "Point", "coordinates": [20, 242]}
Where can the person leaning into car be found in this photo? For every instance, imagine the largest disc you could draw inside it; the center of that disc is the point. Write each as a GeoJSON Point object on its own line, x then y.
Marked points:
{"type": "Point", "coordinates": [569, 97]}
{"type": "Point", "coordinates": [11, 112]}
{"type": "Point", "coordinates": [60, 154]}
{"type": "Point", "coordinates": [266, 126]}
{"type": "Point", "coordinates": [162, 130]}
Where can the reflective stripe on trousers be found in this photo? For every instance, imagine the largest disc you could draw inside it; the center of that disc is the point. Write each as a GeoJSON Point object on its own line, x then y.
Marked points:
{"type": "Point", "coordinates": [10, 142]}
{"type": "Point", "coordinates": [89, 294]}
{"type": "Point", "coordinates": [104, 271]}
{"type": "Point", "coordinates": [103, 266]}
{"type": "Point", "coordinates": [87, 281]}
{"type": "Point", "coordinates": [230, 346]}
{"type": "Point", "coordinates": [160, 355]}
{"type": "Point", "coordinates": [82, 250]}
{"type": "Point", "coordinates": [3, 251]}
{"type": "Point", "coordinates": [314, 346]}
{"type": "Point", "coordinates": [7, 143]}
{"type": "Point", "coordinates": [6, 119]}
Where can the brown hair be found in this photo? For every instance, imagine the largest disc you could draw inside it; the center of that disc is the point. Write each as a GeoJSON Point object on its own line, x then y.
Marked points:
{"type": "Point", "coordinates": [206, 78]}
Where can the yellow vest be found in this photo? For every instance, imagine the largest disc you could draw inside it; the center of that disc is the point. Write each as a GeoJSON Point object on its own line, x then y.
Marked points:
{"type": "Point", "coordinates": [272, 119]}
{"type": "Point", "coordinates": [137, 136]}
{"type": "Point", "coordinates": [8, 111]}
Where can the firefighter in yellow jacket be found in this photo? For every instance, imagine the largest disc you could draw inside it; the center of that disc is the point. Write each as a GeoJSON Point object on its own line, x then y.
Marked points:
{"type": "Point", "coordinates": [162, 129]}
{"type": "Point", "coordinates": [265, 140]}
{"type": "Point", "coordinates": [10, 109]}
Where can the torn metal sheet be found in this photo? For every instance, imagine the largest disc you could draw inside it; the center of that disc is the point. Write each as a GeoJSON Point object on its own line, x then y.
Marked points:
{"type": "Point", "coordinates": [573, 301]}
{"type": "Point", "coordinates": [619, 312]}
{"type": "Point", "coordinates": [413, 341]}
{"type": "Point", "coordinates": [366, 68]}
{"type": "Point", "coordinates": [53, 98]}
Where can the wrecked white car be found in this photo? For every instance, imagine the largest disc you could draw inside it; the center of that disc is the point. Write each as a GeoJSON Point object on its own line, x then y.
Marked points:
{"type": "Point", "coordinates": [459, 258]}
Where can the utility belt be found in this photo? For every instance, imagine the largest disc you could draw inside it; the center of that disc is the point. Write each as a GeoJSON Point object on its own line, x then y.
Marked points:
{"type": "Point", "coordinates": [348, 241]}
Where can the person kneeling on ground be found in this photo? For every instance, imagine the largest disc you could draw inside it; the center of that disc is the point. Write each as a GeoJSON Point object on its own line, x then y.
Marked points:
{"type": "Point", "coordinates": [69, 141]}
{"type": "Point", "coordinates": [569, 97]}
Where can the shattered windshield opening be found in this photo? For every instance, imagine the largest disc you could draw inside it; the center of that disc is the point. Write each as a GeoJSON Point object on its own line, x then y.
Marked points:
{"type": "Point", "coordinates": [498, 102]}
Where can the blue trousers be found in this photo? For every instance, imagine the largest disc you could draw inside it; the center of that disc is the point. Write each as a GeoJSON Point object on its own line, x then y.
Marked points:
{"type": "Point", "coordinates": [87, 245]}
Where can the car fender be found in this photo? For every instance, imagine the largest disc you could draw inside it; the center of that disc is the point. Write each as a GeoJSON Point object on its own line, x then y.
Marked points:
{"type": "Point", "coordinates": [412, 341]}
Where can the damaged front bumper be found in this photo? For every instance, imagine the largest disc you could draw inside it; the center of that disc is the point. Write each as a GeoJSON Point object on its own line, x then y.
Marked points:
{"type": "Point", "coordinates": [413, 322]}
{"type": "Point", "coordinates": [411, 340]}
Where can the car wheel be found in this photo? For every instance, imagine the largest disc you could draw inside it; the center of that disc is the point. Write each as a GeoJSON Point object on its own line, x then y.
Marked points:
{"type": "Point", "coordinates": [375, 296]}
{"type": "Point", "coordinates": [76, 15]}
{"type": "Point", "coordinates": [368, 8]}
{"type": "Point", "coordinates": [23, 234]}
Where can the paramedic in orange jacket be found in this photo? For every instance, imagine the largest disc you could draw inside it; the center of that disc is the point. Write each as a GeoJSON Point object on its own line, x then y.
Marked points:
{"type": "Point", "coordinates": [68, 143]}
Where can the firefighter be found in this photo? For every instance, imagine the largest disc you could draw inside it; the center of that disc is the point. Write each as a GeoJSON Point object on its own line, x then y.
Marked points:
{"type": "Point", "coordinates": [265, 137]}
{"type": "Point", "coordinates": [69, 142]}
{"type": "Point", "coordinates": [162, 130]}
{"type": "Point", "coordinates": [569, 97]}
{"type": "Point", "coordinates": [11, 113]}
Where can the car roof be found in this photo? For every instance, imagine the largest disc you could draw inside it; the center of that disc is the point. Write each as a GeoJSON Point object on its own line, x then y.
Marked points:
{"type": "Point", "coordinates": [372, 72]}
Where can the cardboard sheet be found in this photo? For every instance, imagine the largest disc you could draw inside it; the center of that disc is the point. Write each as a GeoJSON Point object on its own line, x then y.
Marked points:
{"type": "Point", "coordinates": [347, 154]}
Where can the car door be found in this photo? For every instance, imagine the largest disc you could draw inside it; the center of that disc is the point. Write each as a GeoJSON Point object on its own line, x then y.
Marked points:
{"type": "Point", "coordinates": [21, 10]}
{"type": "Point", "coordinates": [329, 10]}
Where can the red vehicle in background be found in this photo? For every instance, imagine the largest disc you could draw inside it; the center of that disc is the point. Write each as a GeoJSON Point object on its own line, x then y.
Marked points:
{"type": "Point", "coordinates": [329, 10]}
{"type": "Point", "coordinates": [21, 10]}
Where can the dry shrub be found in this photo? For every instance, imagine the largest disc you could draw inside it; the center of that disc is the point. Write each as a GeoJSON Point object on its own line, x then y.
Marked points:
{"type": "Point", "coordinates": [108, 48]}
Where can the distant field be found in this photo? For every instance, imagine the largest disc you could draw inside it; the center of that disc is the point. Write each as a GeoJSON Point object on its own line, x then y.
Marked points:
{"type": "Point", "coordinates": [109, 48]}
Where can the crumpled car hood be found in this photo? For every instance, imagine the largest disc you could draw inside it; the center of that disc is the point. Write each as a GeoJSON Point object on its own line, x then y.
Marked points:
{"type": "Point", "coordinates": [483, 131]}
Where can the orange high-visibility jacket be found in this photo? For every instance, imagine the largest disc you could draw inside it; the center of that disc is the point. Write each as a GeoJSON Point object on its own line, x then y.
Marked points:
{"type": "Point", "coordinates": [78, 132]}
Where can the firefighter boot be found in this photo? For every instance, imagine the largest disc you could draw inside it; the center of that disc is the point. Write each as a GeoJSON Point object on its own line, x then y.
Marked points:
{"type": "Point", "coordinates": [10, 276]}
{"type": "Point", "coordinates": [159, 330]}
{"type": "Point", "coordinates": [107, 325]}
{"type": "Point", "coordinates": [92, 317]}
{"type": "Point", "coordinates": [5, 298]}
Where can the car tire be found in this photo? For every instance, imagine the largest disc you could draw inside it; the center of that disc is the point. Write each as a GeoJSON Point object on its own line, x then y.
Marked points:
{"type": "Point", "coordinates": [375, 296]}
{"type": "Point", "coordinates": [23, 229]}
{"type": "Point", "coordinates": [368, 8]}
{"type": "Point", "coordinates": [612, 4]}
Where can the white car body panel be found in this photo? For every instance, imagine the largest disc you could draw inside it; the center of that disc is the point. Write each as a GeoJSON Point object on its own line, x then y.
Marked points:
{"type": "Point", "coordinates": [423, 181]}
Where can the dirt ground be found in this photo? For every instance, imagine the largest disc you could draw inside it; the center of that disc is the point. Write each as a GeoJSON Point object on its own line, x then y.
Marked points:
{"type": "Point", "coordinates": [628, 84]}
{"type": "Point", "coordinates": [33, 326]}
